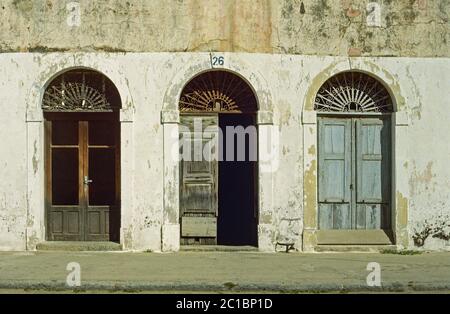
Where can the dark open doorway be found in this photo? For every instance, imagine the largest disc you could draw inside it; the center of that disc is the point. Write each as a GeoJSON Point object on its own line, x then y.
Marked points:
{"type": "Point", "coordinates": [237, 206]}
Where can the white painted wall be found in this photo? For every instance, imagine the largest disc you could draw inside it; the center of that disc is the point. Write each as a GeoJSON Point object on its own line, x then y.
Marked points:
{"type": "Point", "coordinates": [420, 86]}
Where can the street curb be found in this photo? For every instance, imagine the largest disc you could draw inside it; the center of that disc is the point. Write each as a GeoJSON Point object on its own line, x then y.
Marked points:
{"type": "Point", "coordinates": [124, 286]}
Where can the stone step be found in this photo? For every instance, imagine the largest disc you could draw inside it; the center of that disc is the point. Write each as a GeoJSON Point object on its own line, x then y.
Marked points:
{"type": "Point", "coordinates": [217, 248]}
{"type": "Point", "coordinates": [354, 248]}
{"type": "Point", "coordinates": [78, 246]}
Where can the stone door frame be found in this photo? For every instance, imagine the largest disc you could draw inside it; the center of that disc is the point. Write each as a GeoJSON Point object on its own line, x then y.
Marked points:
{"type": "Point", "coordinates": [170, 119]}
{"type": "Point", "coordinates": [400, 122]}
{"type": "Point", "coordinates": [35, 229]}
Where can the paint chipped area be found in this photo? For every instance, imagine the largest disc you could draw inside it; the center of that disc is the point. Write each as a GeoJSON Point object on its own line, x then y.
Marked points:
{"type": "Point", "coordinates": [289, 231]}
{"type": "Point", "coordinates": [12, 231]}
{"type": "Point", "coordinates": [433, 232]}
{"type": "Point", "coordinates": [429, 211]}
{"type": "Point", "coordinates": [423, 181]}
{"type": "Point", "coordinates": [397, 28]}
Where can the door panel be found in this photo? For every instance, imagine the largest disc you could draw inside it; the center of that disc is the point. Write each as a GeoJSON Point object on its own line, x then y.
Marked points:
{"type": "Point", "coordinates": [373, 172]}
{"type": "Point", "coordinates": [98, 223]}
{"type": "Point", "coordinates": [101, 132]}
{"type": "Point", "coordinates": [102, 165]}
{"type": "Point", "coordinates": [65, 176]}
{"type": "Point", "coordinates": [334, 216]}
{"type": "Point", "coordinates": [197, 198]}
{"type": "Point", "coordinates": [64, 192]}
{"type": "Point", "coordinates": [334, 173]}
{"type": "Point", "coordinates": [65, 223]}
{"type": "Point", "coordinates": [342, 216]}
{"type": "Point", "coordinates": [372, 216]}
{"type": "Point", "coordinates": [198, 177]}
{"type": "Point", "coordinates": [102, 173]}
{"type": "Point", "coordinates": [64, 132]}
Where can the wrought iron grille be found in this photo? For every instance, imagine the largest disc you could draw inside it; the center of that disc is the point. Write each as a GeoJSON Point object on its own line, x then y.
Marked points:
{"type": "Point", "coordinates": [353, 92]}
{"type": "Point", "coordinates": [217, 91]}
{"type": "Point", "coordinates": [80, 91]}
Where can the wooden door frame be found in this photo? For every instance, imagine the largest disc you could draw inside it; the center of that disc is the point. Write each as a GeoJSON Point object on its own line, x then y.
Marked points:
{"type": "Point", "coordinates": [312, 235]}
{"type": "Point", "coordinates": [255, 178]}
{"type": "Point", "coordinates": [353, 160]}
{"type": "Point", "coordinates": [83, 156]}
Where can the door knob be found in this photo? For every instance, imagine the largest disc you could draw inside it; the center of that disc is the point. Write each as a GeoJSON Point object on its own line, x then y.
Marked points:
{"type": "Point", "coordinates": [86, 180]}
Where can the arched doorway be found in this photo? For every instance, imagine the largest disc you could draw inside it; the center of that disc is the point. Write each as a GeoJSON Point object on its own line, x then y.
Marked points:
{"type": "Point", "coordinates": [82, 168]}
{"type": "Point", "coordinates": [218, 167]}
{"type": "Point", "coordinates": [354, 154]}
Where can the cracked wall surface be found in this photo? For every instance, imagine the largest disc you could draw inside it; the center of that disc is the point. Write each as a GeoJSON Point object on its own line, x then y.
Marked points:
{"type": "Point", "coordinates": [414, 28]}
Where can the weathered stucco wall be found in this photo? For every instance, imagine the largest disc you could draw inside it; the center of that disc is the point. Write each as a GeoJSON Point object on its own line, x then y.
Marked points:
{"type": "Point", "coordinates": [285, 82]}
{"type": "Point", "coordinates": [13, 174]}
{"type": "Point", "coordinates": [414, 28]}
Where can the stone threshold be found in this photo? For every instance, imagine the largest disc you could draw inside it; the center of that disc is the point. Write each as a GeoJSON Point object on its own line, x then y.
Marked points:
{"type": "Point", "coordinates": [353, 248]}
{"type": "Point", "coordinates": [217, 248]}
{"type": "Point", "coordinates": [100, 246]}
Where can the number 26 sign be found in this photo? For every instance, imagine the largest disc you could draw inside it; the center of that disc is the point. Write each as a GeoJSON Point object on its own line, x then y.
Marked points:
{"type": "Point", "coordinates": [217, 61]}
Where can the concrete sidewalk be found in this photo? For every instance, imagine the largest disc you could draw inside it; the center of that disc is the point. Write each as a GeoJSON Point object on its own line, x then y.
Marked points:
{"type": "Point", "coordinates": [224, 271]}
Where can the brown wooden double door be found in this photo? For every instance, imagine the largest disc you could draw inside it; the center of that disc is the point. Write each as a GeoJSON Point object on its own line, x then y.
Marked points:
{"type": "Point", "coordinates": [82, 176]}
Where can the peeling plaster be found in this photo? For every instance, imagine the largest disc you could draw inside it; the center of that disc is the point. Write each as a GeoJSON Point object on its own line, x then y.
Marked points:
{"type": "Point", "coordinates": [315, 85]}
{"type": "Point", "coordinates": [422, 181]}
{"type": "Point", "coordinates": [310, 195]}
{"type": "Point", "coordinates": [308, 27]}
{"type": "Point", "coordinates": [35, 159]}
{"type": "Point", "coordinates": [437, 227]}
{"type": "Point", "coordinates": [417, 109]}
{"type": "Point", "coordinates": [402, 210]}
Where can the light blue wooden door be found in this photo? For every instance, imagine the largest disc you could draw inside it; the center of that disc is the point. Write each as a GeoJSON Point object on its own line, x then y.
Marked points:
{"type": "Point", "coordinates": [335, 173]}
{"type": "Point", "coordinates": [354, 173]}
{"type": "Point", "coordinates": [373, 165]}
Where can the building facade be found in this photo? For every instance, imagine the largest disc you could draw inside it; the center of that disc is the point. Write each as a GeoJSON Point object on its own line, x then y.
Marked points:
{"type": "Point", "coordinates": [347, 101]}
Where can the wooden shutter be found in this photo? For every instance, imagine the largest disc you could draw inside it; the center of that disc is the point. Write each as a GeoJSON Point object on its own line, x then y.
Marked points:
{"type": "Point", "coordinates": [198, 186]}
{"type": "Point", "coordinates": [373, 173]}
{"type": "Point", "coordinates": [334, 173]}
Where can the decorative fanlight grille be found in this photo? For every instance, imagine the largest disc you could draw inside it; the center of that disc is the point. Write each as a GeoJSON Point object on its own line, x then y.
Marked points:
{"type": "Point", "coordinates": [217, 91]}
{"type": "Point", "coordinates": [71, 92]}
{"type": "Point", "coordinates": [353, 92]}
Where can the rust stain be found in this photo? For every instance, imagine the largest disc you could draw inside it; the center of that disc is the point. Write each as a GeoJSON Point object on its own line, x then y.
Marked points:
{"type": "Point", "coordinates": [265, 218]}
{"type": "Point", "coordinates": [402, 220]}
{"type": "Point", "coordinates": [402, 209]}
{"type": "Point", "coordinates": [353, 12]}
{"type": "Point", "coordinates": [35, 159]}
{"type": "Point", "coordinates": [231, 26]}
{"type": "Point", "coordinates": [310, 187]}
{"type": "Point", "coordinates": [285, 116]}
{"type": "Point", "coordinates": [422, 179]}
